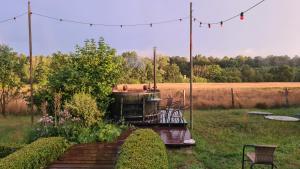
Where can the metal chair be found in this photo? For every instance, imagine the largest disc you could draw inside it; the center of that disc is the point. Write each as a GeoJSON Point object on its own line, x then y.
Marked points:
{"type": "Point", "coordinates": [165, 110]}
{"type": "Point", "coordinates": [177, 111]}
{"type": "Point", "coordinates": [263, 154]}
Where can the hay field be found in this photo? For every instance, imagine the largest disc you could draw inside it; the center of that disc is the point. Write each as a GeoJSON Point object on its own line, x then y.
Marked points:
{"type": "Point", "coordinates": [232, 95]}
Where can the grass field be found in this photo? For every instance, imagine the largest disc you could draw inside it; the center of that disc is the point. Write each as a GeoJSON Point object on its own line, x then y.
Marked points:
{"type": "Point", "coordinates": [13, 129]}
{"type": "Point", "coordinates": [221, 134]}
{"type": "Point", "coordinates": [220, 95]}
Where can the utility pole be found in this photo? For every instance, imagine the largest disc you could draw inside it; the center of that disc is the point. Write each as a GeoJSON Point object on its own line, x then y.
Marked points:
{"type": "Point", "coordinates": [30, 60]}
{"type": "Point", "coordinates": [154, 68]}
{"type": "Point", "coordinates": [191, 65]}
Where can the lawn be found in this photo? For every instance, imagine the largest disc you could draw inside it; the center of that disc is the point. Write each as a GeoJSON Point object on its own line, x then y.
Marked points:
{"type": "Point", "coordinates": [13, 129]}
{"type": "Point", "coordinates": [221, 134]}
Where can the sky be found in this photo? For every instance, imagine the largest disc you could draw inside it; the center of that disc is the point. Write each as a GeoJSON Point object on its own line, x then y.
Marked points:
{"type": "Point", "coordinates": [271, 28]}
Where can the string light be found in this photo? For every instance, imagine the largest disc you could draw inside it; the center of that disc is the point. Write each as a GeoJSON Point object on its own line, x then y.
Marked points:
{"type": "Point", "coordinates": [151, 24]}
{"type": "Point", "coordinates": [221, 23]}
{"type": "Point", "coordinates": [241, 15]}
{"type": "Point", "coordinates": [14, 18]}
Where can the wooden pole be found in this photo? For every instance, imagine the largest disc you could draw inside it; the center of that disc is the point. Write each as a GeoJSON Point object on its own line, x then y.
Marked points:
{"type": "Point", "coordinates": [30, 59]}
{"type": "Point", "coordinates": [183, 93]}
{"type": "Point", "coordinates": [154, 68]}
{"type": "Point", "coordinates": [286, 94]}
{"type": "Point", "coordinates": [191, 65]}
{"type": "Point", "coordinates": [232, 97]}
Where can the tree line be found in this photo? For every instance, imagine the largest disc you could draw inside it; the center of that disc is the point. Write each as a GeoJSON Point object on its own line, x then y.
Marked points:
{"type": "Point", "coordinates": [212, 69]}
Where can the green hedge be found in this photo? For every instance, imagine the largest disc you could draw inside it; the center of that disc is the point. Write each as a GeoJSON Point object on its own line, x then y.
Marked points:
{"type": "Point", "coordinates": [6, 149]}
{"type": "Point", "coordinates": [35, 155]}
{"type": "Point", "coordinates": [143, 149]}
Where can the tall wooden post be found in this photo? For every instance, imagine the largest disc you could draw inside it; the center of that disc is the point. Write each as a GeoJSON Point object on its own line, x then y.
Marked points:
{"type": "Point", "coordinates": [232, 98]}
{"type": "Point", "coordinates": [154, 68]}
{"type": "Point", "coordinates": [30, 59]}
{"type": "Point", "coordinates": [191, 65]}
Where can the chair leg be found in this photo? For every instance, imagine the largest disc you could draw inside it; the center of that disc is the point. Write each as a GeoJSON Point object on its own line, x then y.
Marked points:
{"type": "Point", "coordinates": [272, 166]}
{"type": "Point", "coordinates": [251, 167]}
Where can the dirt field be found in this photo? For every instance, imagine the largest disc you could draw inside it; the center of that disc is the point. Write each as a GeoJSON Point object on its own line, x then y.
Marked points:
{"type": "Point", "coordinates": [232, 95]}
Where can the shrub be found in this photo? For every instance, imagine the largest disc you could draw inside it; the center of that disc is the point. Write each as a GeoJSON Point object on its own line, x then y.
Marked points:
{"type": "Point", "coordinates": [6, 149]}
{"type": "Point", "coordinates": [36, 155]}
{"type": "Point", "coordinates": [143, 149]}
{"type": "Point", "coordinates": [72, 129]}
{"type": "Point", "coordinates": [261, 105]}
{"type": "Point", "coordinates": [85, 107]}
{"type": "Point", "coordinates": [108, 132]}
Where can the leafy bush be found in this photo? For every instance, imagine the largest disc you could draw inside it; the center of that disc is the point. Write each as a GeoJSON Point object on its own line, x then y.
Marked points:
{"type": "Point", "coordinates": [108, 132]}
{"type": "Point", "coordinates": [36, 155]}
{"type": "Point", "coordinates": [84, 106]}
{"type": "Point", "coordinates": [143, 149]}
{"type": "Point", "coordinates": [6, 149]}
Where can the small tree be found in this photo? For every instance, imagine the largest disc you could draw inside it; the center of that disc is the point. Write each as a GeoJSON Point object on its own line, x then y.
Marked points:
{"type": "Point", "coordinates": [10, 82]}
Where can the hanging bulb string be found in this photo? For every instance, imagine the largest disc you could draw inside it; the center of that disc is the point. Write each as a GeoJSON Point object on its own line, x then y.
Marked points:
{"type": "Point", "coordinates": [150, 24]}
{"type": "Point", "coordinates": [109, 25]}
{"type": "Point", "coordinates": [13, 18]}
{"type": "Point", "coordinates": [241, 15]}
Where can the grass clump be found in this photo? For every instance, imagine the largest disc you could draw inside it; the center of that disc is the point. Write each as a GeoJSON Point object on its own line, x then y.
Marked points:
{"type": "Point", "coordinates": [143, 149]}
{"type": "Point", "coordinates": [36, 155]}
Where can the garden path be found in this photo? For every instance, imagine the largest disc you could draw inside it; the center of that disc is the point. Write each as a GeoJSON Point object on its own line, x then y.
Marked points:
{"type": "Point", "coordinates": [94, 155]}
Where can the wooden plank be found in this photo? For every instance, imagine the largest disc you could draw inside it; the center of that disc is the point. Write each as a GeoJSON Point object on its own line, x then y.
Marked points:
{"type": "Point", "coordinates": [94, 155]}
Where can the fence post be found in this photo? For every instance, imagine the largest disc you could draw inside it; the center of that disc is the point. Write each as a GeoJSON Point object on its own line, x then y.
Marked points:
{"type": "Point", "coordinates": [144, 109]}
{"type": "Point", "coordinates": [232, 98]}
{"type": "Point", "coordinates": [183, 98]}
{"type": "Point", "coordinates": [121, 115]}
{"type": "Point", "coordinates": [286, 94]}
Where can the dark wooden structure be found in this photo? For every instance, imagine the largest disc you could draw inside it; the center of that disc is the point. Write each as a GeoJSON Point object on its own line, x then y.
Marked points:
{"type": "Point", "coordinates": [92, 156]}
{"type": "Point", "coordinates": [135, 106]}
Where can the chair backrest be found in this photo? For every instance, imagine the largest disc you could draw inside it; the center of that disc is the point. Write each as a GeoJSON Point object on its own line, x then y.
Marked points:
{"type": "Point", "coordinates": [169, 101]}
{"type": "Point", "coordinates": [264, 154]}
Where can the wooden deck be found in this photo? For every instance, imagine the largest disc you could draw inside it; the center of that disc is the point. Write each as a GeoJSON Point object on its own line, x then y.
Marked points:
{"type": "Point", "coordinates": [174, 136]}
{"type": "Point", "coordinates": [92, 156]}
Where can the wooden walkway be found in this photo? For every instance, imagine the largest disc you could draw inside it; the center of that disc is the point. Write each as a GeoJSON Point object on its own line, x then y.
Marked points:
{"type": "Point", "coordinates": [92, 156]}
{"type": "Point", "coordinates": [174, 136]}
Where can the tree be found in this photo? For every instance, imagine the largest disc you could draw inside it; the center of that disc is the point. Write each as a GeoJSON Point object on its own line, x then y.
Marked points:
{"type": "Point", "coordinates": [231, 75]}
{"type": "Point", "coordinates": [182, 63]}
{"type": "Point", "coordinates": [133, 68]}
{"type": "Point", "coordinates": [93, 69]}
{"type": "Point", "coordinates": [248, 74]}
{"type": "Point", "coordinates": [41, 72]}
{"type": "Point", "coordinates": [283, 73]}
{"type": "Point", "coordinates": [10, 67]}
{"type": "Point", "coordinates": [173, 74]}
